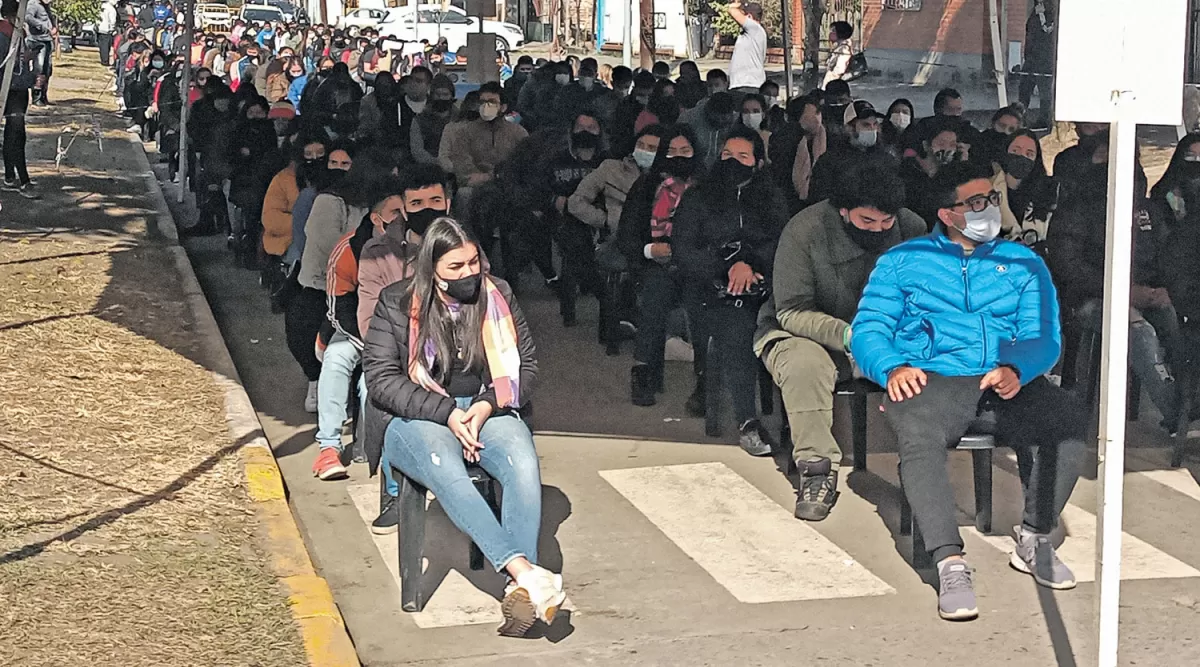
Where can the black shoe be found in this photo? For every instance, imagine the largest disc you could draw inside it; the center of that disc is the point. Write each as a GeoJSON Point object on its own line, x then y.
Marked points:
{"type": "Point", "coordinates": [388, 520]}
{"type": "Point", "coordinates": [818, 490]}
{"type": "Point", "coordinates": [697, 403]}
{"type": "Point", "coordinates": [754, 439]}
{"type": "Point", "coordinates": [641, 385]}
{"type": "Point", "coordinates": [656, 379]}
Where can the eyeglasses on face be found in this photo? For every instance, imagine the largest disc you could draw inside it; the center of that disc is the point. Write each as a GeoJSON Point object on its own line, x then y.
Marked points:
{"type": "Point", "coordinates": [980, 202]}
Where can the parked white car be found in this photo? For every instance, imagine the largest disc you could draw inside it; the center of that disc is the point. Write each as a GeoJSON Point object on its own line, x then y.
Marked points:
{"type": "Point", "coordinates": [261, 14]}
{"type": "Point", "coordinates": [362, 18]}
{"type": "Point", "coordinates": [430, 22]}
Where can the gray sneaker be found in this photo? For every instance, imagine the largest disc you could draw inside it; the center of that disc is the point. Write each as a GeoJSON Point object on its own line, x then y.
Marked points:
{"type": "Point", "coordinates": [956, 592]}
{"type": "Point", "coordinates": [754, 440]}
{"type": "Point", "coordinates": [1034, 555]}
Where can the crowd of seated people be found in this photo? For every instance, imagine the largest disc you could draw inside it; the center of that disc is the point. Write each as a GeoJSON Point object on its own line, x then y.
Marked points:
{"type": "Point", "coordinates": [823, 240]}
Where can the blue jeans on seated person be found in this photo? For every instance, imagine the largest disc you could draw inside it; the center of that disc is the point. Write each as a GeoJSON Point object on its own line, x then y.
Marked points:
{"type": "Point", "coordinates": [333, 390]}
{"type": "Point", "coordinates": [429, 454]}
{"type": "Point", "coordinates": [1150, 334]}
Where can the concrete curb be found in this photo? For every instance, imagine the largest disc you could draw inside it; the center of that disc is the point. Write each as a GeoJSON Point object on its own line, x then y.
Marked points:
{"type": "Point", "coordinates": [322, 629]}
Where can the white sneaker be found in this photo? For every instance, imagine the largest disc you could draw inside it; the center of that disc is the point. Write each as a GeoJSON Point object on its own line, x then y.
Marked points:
{"type": "Point", "coordinates": [536, 595]}
{"type": "Point", "coordinates": [310, 399]}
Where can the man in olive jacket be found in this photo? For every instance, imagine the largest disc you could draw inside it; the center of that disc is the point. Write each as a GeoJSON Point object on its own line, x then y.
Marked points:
{"type": "Point", "coordinates": [825, 256]}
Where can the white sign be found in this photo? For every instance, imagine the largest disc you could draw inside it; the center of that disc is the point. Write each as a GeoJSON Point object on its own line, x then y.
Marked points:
{"type": "Point", "coordinates": [1109, 45]}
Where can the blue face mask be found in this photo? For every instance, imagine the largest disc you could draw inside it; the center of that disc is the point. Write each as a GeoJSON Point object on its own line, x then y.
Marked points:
{"type": "Point", "coordinates": [643, 158]}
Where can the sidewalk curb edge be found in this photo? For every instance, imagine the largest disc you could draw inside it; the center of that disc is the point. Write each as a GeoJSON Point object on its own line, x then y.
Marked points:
{"type": "Point", "coordinates": [322, 629]}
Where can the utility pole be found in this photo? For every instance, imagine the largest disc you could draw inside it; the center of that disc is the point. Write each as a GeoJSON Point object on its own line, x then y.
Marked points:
{"type": "Point", "coordinates": [185, 89]}
{"type": "Point", "coordinates": [647, 32]}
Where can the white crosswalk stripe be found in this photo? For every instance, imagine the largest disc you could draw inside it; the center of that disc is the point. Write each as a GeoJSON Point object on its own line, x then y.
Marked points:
{"type": "Point", "coordinates": [749, 544]}
{"type": "Point", "coordinates": [456, 601]}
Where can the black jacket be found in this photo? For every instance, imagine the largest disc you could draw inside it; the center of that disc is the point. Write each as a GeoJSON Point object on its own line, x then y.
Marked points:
{"type": "Point", "coordinates": [839, 159]}
{"type": "Point", "coordinates": [385, 360]}
{"type": "Point", "coordinates": [710, 219]}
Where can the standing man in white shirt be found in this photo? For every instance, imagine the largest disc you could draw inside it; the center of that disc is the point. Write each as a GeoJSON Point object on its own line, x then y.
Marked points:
{"type": "Point", "coordinates": [105, 29]}
{"type": "Point", "coordinates": [747, 66]}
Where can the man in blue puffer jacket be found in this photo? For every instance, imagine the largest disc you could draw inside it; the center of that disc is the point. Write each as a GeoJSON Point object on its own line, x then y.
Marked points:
{"type": "Point", "coordinates": [957, 324]}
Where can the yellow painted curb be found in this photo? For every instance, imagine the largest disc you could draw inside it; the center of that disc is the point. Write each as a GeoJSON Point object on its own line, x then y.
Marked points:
{"type": "Point", "coordinates": [322, 629]}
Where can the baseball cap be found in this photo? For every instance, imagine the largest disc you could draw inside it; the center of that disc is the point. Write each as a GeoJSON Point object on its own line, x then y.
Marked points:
{"type": "Point", "coordinates": [859, 109]}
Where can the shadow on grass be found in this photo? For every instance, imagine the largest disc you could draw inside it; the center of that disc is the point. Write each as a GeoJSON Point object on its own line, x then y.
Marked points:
{"type": "Point", "coordinates": [107, 517]}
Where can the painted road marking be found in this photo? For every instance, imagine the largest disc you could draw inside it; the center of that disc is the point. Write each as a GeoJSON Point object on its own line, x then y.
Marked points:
{"type": "Point", "coordinates": [747, 542]}
{"type": "Point", "coordinates": [1139, 559]}
{"type": "Point", "coordinates": [456, 601]}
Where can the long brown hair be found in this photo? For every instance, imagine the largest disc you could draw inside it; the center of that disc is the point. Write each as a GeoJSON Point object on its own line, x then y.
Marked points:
{"type": "Point", "coordinates": [437, 324]}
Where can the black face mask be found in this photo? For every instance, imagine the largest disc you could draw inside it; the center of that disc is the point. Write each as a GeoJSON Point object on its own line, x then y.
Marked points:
{"type": "Point", "coordinates": [418, 222]}
{"type": "Point", "coordinates": [1017, 166]}
{"type": "Point", "coordinates": [312, 171]}
{"type": "Point", "coordinates": [733, 173]}
{"type": "Point", "coordinates": [873, 242]}
{"type": "Point", "coordinates": [441, 106]}
{"type": "Point", "coordinates": [463, 290]}
{"type": "Point", "coordinates": [680, 167]}
{"type": "Point", "coordinates": [585, 140]}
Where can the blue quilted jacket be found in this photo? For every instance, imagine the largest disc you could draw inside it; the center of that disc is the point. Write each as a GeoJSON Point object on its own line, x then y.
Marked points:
{"type": "Point", "coordinates": [931, 306]}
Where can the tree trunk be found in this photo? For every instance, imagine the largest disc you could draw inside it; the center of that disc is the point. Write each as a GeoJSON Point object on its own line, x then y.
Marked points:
{"type": "Point", "coordinates": [646, 14]}
{"type": "Point", "coordinates": [814, 13]}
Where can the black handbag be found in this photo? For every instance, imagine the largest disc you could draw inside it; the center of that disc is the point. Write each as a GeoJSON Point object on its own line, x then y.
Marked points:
{"type": "Point", "coordinates": [754, 295]}
{"type": "Point", "coordinates": [858, 67]}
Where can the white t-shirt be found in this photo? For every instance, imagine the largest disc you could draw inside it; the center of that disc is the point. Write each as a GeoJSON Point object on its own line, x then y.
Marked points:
{"type": "Point", "coordinates": [747, 67]}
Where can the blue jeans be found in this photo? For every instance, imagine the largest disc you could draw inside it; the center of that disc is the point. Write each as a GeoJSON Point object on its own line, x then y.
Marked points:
{"type": "Point", "coordinates": [333, 390]}
{"type": "Point", "coordinates": [1149, 330]}
{"type": "Point", "coordinates": [429, 453]}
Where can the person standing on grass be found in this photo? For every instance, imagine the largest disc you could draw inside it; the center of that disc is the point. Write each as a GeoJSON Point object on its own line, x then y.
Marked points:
{"type": "Point", "coordinates": [105, 30]}
{"type": "Point", "coordinates": [41, 35]}
{"type": "Point", "coordinates": [16, 175]}
{"type": "Point", "coordinates": [747, 66]}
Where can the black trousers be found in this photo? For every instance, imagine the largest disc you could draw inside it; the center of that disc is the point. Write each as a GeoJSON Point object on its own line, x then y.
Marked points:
{"type": "Point", "coordinates": [105, 42]}
{"type": "Point", "coordinates": [14, 136]}
{"type": "Point", "coordinates": [1043, 423]}
{"type": "Point", "coordinates": [579, 270]}
{"type": "Point", "coordinates": [662, 290]}
{"type": "Point", "coordinates": [732, 331]}
{"type": "Point", "coordinates": [303, 319]}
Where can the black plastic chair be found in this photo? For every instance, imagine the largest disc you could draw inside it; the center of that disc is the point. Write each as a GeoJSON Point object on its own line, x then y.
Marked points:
{"type": "Point", "coordinates": [978, 440]}
{"type": "Point", "coordinates": [411, 536]}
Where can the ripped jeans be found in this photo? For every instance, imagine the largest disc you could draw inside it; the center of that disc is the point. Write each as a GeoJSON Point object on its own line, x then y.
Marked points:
{"type": "Point", "coordinates": [1151, 331]}
{"type": "Point", "coordinates": [429, 453]}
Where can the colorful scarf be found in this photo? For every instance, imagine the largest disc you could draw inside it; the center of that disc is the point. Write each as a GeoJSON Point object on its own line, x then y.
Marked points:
{"type": "Point", "coordinates": [666, 200]}
{"type": "Point", "coordinates": [499, 345]}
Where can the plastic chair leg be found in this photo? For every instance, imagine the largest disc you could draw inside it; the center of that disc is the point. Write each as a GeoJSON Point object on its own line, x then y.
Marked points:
{"type": "Point", "coordinates": [712, 391]}
{"type": "Point", "coordinates": [858, 425]}
{"type": "Point", "coordinates": [412, 544]}
{"type": "Point", "coordinates": [981, 460]}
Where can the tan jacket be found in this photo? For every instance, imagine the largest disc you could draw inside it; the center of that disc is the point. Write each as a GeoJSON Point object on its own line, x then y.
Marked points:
{"type": "Point", "coordinates": [598, 200]}
{"type": "Point", "coordinates": [478, 146]}
{"type": "Point", "coordinates": [802, 169]}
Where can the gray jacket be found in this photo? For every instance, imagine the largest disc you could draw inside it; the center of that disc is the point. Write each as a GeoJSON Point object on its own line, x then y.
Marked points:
{"type": "Point", "coordinates": [37, 17]}
{"type": "Point", "coordinates": [819, 275]}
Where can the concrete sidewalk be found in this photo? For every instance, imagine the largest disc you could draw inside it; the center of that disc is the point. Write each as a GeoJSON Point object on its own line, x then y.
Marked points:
{"type": "Point", "coordinates": [677, 549]}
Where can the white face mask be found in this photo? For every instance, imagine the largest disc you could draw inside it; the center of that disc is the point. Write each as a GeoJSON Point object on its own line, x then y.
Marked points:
{"type": "Point", "coordinates": [900, 119]}
{"type": "Point", "coordinates": [562, 79]}
{"type": "Point", "coordinates": [488, 112]}
{"type": "Point", "coordinates": [772, 101]}
{"type": "Point", "coordinates": [752, 120]}
{"type": "Point", "coordinates": [982, 226]}
{"type": "Point", "coordinates": [865, 138]}
{"type": "Point", "coordinates": [587, 82]}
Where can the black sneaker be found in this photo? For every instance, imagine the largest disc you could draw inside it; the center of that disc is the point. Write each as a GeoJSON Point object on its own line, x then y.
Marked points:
{"type": "Point", "coordinates": [388, 520]}
{"type": "Point", "coordinates": [641, 385]}
{"type": "Point", "coordinates": [10, 185]}
{"type": "Point", "coordinates": [697, 403]}
{"type": "Point", "coordinates": [818, 490]}
{"type": "Point", "coordinates": [754, 440]}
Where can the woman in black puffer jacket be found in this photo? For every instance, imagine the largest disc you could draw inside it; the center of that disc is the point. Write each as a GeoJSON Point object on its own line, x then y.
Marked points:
{"type": "Point", "coordinates": [724, 237]}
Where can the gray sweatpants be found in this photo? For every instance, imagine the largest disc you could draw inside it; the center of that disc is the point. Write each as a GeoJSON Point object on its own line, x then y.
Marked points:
{"type": "Point", "coordinates": [1043, 423]}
